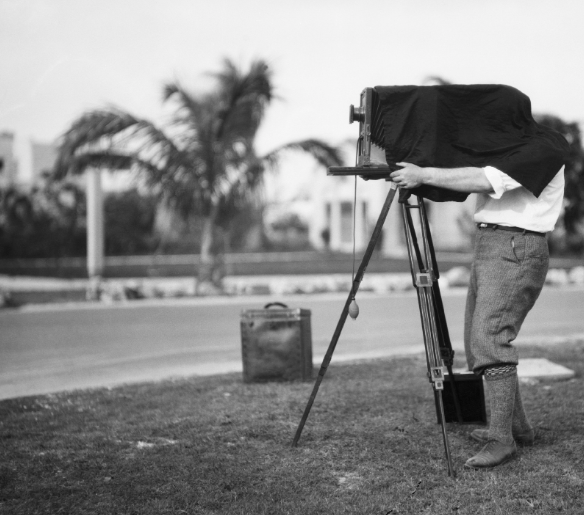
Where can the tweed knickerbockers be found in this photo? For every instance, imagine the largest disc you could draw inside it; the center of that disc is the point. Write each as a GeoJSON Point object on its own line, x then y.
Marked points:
{"type": "Point", "coordinates": [507, 275]}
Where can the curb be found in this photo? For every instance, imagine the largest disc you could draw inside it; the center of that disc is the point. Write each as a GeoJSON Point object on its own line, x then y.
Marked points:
{"type": "Point", "coordinates": [20, 291]}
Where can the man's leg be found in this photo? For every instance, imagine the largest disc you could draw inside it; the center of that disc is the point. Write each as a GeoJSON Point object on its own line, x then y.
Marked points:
{"type": "Point", "coordinates": [500, 447]}
{"type": "Point", "coordinates": [502, 383]}
{"type": "Point", "coordinates": [521, 428]}
{"type": "Point", "coordinates": [523, 431]}
{"type": "Point", "coordinates": [510, 271]}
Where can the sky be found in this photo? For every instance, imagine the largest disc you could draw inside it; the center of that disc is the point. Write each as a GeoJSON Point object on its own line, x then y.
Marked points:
{"type": "Point", "coordinates": [59, 58]}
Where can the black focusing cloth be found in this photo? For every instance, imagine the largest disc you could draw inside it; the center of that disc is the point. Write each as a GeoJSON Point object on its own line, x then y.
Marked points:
{"type": "Point", "coordinates": [454, 126]}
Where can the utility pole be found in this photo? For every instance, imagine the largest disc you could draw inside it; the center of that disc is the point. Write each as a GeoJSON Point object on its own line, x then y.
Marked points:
{"type": "Point", "coordinates": [95, 242]}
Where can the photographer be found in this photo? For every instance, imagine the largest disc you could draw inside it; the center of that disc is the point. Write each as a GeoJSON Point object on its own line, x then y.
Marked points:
{"type": "Point", "coordinates": [510, 263]}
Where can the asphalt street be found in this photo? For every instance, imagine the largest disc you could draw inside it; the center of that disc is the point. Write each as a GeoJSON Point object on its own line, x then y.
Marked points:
{"type": "Point", "coordinates": [52, 348]}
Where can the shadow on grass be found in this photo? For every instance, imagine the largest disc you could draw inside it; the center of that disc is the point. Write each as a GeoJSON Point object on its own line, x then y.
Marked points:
{"type": "Point", "coordinates": [217, 445]}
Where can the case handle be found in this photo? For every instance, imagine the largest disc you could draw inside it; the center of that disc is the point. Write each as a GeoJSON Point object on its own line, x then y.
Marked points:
{"type": "Point", "coordinates": [279, 304]}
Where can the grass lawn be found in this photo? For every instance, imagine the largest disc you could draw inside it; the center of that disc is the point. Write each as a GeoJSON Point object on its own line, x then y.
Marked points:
{"type": "Point", "coordinates": [215, 445]}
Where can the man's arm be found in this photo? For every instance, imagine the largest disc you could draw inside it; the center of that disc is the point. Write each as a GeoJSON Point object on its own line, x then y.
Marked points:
{"type": "Point", "coordinates": [468, 179]}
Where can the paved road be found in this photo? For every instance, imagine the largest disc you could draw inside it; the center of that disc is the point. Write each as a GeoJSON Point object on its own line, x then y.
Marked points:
{"type": "Point", "coordinates": [46, 349]}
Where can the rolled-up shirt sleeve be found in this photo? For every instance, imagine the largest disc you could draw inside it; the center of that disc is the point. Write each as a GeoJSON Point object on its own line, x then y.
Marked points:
{"type": "Point", "coordinates": [500, 182]}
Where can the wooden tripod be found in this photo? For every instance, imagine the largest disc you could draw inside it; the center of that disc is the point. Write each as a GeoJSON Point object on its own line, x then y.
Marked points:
{"type": "Point", "coordinates": [424, 269]}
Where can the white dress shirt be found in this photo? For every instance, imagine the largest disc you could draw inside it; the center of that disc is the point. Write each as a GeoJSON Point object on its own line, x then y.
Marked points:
{"type": "Point", "coordinates": [513, 205]}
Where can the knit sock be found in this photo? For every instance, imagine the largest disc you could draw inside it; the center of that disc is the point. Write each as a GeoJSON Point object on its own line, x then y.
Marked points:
{"type": "Point", "coordinates": [502, 385]}
{"type": "Point", "coordinates": [520, 423]}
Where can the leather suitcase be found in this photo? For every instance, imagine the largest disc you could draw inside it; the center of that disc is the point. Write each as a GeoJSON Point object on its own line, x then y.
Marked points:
{"type": "Point", "coordinates": [276, 344]}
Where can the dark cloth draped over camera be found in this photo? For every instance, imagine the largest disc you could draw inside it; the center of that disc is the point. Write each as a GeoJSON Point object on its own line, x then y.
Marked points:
{"type": "Point", "coordinates": [453, 126]}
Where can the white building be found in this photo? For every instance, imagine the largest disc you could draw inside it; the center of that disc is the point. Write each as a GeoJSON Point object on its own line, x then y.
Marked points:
{"type": "Point", "coordinates": [22, 161]}
{"type": "Point", "coordinates": [43, 156]}
{"type": "Point", "coordinates": [8, 161]}
{"type": "Point", "coordinates": [332, 215]}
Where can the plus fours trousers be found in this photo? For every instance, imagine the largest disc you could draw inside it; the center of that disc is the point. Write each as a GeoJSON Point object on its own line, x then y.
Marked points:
{"type": "Point", "coordinates": [507, 276]}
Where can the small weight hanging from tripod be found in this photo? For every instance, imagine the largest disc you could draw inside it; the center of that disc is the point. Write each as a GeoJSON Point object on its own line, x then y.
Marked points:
{"type": "Point", "coordinates": [354, 307]}
{"type": "Point", "coordinates": [354, 310]}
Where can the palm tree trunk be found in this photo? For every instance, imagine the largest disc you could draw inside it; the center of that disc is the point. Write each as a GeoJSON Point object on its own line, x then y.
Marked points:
{"type": "Point", "coordinates": [208, 281]}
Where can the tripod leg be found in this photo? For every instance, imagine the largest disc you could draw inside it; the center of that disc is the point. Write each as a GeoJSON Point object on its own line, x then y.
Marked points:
{"type": "Point", "coordinates": [443, 334]}
{"type": "Point", "coordinates": [358, 277]}
{"type": "Point", "coordinates": [424, 280]}
{"type": "Point", "coordinates": [451, 471]}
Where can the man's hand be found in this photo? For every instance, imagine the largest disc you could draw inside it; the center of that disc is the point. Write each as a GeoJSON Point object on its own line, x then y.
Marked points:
{"type": "Point", "coordinates": [410, 176]}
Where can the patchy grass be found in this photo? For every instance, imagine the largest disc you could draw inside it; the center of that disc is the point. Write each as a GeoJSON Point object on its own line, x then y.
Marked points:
{"type": "Point", "coordinates": [216, 445]}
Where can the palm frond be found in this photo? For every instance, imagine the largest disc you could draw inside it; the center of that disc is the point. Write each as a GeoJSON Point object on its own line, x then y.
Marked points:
{"type": "Point", "coordinates": [243, 99]}
{"type": "Point", "coordinates": [91, 132]}
{"type": "Point", "coordinates": [156, 146]}
{"type": "Point", "coordinates": [325, 154]}
{"type": "Point", "coordinates": [112, 138]}
{"type": "Point", "coordinates": [79, 163]}
{"type": "Point", "coordinates": [94, 125]}
{"type": "Point", "coordinates": [191, 110]}
{"type": "Point", "coordinates": [437, 79]}
{"type": "Point", "coordinates": [184, 98]}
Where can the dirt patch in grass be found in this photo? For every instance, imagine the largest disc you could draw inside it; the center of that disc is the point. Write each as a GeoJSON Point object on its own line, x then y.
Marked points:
{"type": "Point", "coordinates": [216, 445]}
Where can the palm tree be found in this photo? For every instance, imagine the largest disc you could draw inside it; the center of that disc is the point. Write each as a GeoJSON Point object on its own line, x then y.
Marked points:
{"type": "Point", "coordinates": [204, 161]}
{"type": "Point", "coordinates": [573, 213]}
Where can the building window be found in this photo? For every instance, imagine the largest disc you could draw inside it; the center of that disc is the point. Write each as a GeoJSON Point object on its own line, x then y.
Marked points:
{"type": "Point", "coordinates": [327, 214]}
{"type": "Point", "coordinates": [365, 219]}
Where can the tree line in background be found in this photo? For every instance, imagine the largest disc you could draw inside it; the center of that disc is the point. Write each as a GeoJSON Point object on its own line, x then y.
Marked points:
{"type": "Point", "coordinates": [201, 173]}
{"type": "Point", "coordinates": [49, 221]}
{"type": "Point", "coordinates": [568, 237]}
